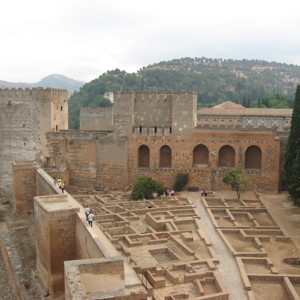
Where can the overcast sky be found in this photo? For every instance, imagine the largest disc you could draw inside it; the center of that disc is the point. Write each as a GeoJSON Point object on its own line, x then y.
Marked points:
{"type": "Point", "coordinates": [82, 39]}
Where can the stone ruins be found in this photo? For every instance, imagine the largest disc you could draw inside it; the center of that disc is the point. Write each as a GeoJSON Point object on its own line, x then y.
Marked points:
{"type": "Point", "coordinates": [172, 247]}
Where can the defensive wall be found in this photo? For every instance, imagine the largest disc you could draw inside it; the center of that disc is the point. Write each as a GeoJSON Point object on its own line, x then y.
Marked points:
{"type": "Point", "coordinates": [98, 159]}
{"type": "Point", "coordinates": [61, 234]}
{"type": "Point", "coordinates": [175, 110]}
{"type": "Point", "coordinates": [151, 133]}
{"type": "Point", "coordinates": [94, 158]}
{"type": "Point", "coordinates": [25, 117]}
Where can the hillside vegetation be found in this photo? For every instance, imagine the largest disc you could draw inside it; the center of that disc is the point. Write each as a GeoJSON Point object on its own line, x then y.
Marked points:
{"type": "Point", "coordinates": [252, 83]}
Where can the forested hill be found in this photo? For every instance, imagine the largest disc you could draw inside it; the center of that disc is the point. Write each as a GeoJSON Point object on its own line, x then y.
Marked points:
{"type": "Point", "coordinates": [248, 82]}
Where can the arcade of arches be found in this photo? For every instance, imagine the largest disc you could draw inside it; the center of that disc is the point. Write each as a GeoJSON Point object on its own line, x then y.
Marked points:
{"type": "Point", "coordinates": [226, 157]}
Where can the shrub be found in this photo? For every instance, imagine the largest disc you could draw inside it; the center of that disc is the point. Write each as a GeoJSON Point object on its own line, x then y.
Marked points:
{"type": "Point", "coordinates": [145, 187]}
{"type": "Point", "coordinates": [181, 180]}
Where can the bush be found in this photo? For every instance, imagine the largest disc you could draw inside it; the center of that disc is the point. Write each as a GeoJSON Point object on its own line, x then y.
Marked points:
{"type": "Point", "coordinates": [145, 187]}
{"type": "Point", "coordinates": [181, 180]}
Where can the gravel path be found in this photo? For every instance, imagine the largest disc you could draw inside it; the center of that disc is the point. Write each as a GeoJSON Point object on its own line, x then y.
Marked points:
{"type": "Point", "coordinates": [227, 267]}
{"type": "Point", "coordinates": [6, 292]}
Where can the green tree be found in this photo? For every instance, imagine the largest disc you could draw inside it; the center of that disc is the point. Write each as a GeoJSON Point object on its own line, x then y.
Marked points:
{"type": "Point", "coordinates": [181, 180]}
{"type": "Point", "coordinates": [292, 153]}
{"type": "Point", "coordinates": [146, 187]}
{"type": "Point", "coordinates": [237, 179]}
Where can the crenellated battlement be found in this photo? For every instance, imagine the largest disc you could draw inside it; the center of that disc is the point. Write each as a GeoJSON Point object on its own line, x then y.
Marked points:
{"type": "Point", "coordinates": [151, 95]}
{"type": "Point", "coordinates": [28, 93]}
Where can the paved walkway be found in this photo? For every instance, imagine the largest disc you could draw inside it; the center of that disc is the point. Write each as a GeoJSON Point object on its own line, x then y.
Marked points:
{"type": "Point", "coordinates": [227, 268]}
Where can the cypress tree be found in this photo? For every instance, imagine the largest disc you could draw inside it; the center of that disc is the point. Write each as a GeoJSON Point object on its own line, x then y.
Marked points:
{"type": "Point", "coordinates": [292, 153]}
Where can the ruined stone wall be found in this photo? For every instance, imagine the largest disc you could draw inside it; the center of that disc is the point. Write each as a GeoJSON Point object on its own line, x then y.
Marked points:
{"type": "Point", "coordinates": [96, 118]}
{"type": "Point", "coordinates": [208, 175]}
{"type": "Point", "coordinates": [25, 117]}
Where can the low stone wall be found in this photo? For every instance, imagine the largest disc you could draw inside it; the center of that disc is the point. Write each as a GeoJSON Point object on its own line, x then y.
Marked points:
{"type": "Point", "coordinates": [87, 244]}
{"type": "Point", "coordinates": [44, 184]}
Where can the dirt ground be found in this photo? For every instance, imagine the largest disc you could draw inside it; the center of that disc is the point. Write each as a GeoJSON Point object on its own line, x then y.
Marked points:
{"type": "Point", "coordinates": [286, 214]}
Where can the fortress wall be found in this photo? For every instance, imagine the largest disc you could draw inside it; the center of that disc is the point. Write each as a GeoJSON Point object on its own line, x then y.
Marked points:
{"type": "Point", "coordinates": [184, 109]}
{"type": "Point", "coordinates": [25, 117]}
{"type": "Point", "coordinates": [123, 112]}
{"type": "Point", "coordinates": [112, 163]}
{"type": "Point", "coordinates": [86, 244]}
{"type": "Point", "coordinates": [80, 152]}
{"type": "Point", "coordinates": [18, 137]}
{"type": "Point", "coordinates": [24, 188]}
{"type": "Point", "coordinates": [208, 176]}
{"type": "Point", "coordinates": [44, 184]}
{"type": "Point", "coordinates": [96, 118]}
{"type": "Point", "coordinates": [55, 227]}
{"type": "Point", "coordinates": [153, 109]}
{"type": "Point", "coordinates": [156, 109]}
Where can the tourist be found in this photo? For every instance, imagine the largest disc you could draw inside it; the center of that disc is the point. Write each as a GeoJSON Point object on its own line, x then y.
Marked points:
{"type": "Point", "coordinates": [54, 181]}
{"type": "Point", "coordinates": [91, 218]}
{"type": "Point", "coordinates": [62, 186]}
{"type": "Point", "coordinates": [203, 192]}
{"type": "Point", "coordinates": [87, 212]}
{"type": "Point", "coordinates": [172, 193]}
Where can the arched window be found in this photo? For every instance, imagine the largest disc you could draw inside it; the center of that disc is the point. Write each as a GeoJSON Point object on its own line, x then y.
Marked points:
{"type": "Point", "coordinates": [227, 157]}
{"type": "Point", "coordinates": [253, 158]}
{"type": "Point", "coordinates": [200, 155]}
{"type": "Point", "coordinates": [165, 157]}
{"type": "Point", "coordinates": [143, 157]}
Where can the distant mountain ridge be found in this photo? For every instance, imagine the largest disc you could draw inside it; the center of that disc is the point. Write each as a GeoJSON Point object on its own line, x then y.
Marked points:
{"type": "Point", "coordinates": [54, 81]}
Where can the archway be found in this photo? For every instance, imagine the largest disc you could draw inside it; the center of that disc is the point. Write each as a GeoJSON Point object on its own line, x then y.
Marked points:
{"type": "Point", "coordinates": [200, 155]}
{"type": "Point", "coordinates": [227, 157]}
{"type": "Point", "coordinates": [143, 157]}
{"type": "Point", "coordinates": [165, 157]}
{"type": "Point", "coordinates": [253, 158]}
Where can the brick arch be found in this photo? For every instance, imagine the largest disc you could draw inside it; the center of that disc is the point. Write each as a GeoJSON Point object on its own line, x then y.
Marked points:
{"type": "Point", "coordinates": [227, 157]}
{"type": "Point", "coordinates": [165, 157]}
{"type": "Point", "coordinates": [200, 155]}
{"type": "Point", "coordinates": [143, 157]}
{"type": "Point", "coordinates": [253, 158]}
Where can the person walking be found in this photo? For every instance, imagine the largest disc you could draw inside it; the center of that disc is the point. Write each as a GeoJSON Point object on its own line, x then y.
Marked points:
{"type": "Point", "coordinates": [62, 186]}
{"type": "Point", "coordinates": [91, 218]}
{"type": "Point", "coordinates": [87, 212]}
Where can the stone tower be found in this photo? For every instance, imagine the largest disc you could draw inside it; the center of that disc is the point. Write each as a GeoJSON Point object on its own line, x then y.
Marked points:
{"type": "Point", "coordinates": [25, 117]}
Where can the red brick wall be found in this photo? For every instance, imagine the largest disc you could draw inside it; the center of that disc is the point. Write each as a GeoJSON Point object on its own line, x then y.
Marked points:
{"type": "Point", "coordinates": [208, 177]}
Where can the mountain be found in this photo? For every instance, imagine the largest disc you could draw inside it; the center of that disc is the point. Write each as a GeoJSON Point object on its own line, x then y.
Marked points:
{"type": "Point", "coordinates": [60, 81]}
{"type": "Point", "coordinates": [9, 85]}
{"type": "Point", "coordinates": [54, 80]}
